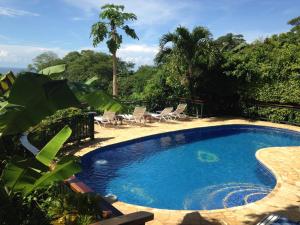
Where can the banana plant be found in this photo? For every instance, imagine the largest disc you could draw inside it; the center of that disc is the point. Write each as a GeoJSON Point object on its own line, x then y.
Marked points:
{"type": "Point", "coordinates": [95, 98]}
{"type": "Point", "coordinates": [91, 80]}
{"type": "Point", "coordinates": [6, 82]}
{"type": "Point", "coordinates": [27, 175]}
{"type": "Point", "coordinates": [86, 93]}
{"type": "Point", "coordinates": [53, 70]}
{"type": "Point", "coordinates": [32, 98]}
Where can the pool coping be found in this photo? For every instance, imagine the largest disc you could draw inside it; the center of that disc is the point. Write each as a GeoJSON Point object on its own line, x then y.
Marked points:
{"type": "Point", "coordinates": [235, 215]}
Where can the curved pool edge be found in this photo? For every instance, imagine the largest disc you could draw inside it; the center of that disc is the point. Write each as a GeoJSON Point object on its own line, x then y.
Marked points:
{"type": "Point", "coordinates": [196, 123]}
{"type": "Point", "coordinates": [285, 194]}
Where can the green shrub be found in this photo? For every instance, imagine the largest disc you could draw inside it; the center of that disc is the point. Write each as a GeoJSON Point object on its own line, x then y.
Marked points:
{"type": "Point", "coordinates": [36, 133]}
{"type": "Point", "coordinates": [272, 114]}
{"type": "Point", "coordinates": [59, 115]}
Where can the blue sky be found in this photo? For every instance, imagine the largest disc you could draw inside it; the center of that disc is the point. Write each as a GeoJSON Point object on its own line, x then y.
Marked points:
{"type": "Point", "coordinates": [30, 27]}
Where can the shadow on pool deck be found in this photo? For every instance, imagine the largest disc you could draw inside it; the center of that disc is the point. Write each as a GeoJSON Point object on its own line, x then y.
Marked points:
{"type": "Point", "coordinates": [195, 218]}
{"type": "Point", "coordinates": [291, 212]}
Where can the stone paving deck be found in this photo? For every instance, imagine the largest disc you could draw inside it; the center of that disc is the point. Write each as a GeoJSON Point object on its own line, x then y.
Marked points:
{"type": "Point", "coordinates": [284, 162]}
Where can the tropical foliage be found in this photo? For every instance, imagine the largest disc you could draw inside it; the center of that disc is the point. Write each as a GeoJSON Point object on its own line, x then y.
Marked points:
{"type": "Point", "coordinates": [43, 60]}
{"type": "Point", "coordinates": [27, 175]}
{"type": "Point", "coordinates": [31, 188]}
{"type": "Point", "coordinates": [25, 108]}
{"type": "Point", "coordinates": [227, 72]}
{"type": "Point", "coordinates": [188, 56]}
{"type": "Point", "coordinates": [6, 82]}
{"type": "Point", "coordinates": [53, 70]}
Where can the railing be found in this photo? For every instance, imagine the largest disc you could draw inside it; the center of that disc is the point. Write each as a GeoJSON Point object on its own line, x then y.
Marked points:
{"type": "Point", "coordinates": [270, 111]}
{"type": "Point", "coordinates": [82, 127]}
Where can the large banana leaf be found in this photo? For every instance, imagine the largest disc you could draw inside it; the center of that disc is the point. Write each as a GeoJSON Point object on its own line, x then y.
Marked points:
{"type": "Point", "coordinates": [20, 175]}
{"type": "Point", "coordinates": [91, 80]}
{"type": "Point", "coordinates": [97, 99]}
{"type": "Point", "coordinates": [6, 82]}
{"type": "Point", "coordinates": [27, 175]}
{"type": "Point", "coordinates": [102, 101]}
{"type": "Point", "coordinates": [64, 169]}
{"type": "Point", "coordinates": [37, 96]}
{"type": "Point", "coordinates": [8, 114]}
{"type": "Point", "coordinates": [48, 153]}
{"type": "Point", "coordinates": [53, 70]}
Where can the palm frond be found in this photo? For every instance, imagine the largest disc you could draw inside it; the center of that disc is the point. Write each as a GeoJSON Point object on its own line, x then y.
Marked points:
{"type": "Point", "coordinates": [169, 37]}
{"type": "Point", "coordinates": [99, 32]}
{"type": "Point", "coordinates": [200, 34]}
{"type": "Point", "coordinates": [129, 16]}
{"type": "Point", "coordinates": [130, 32]}
{"type": "Point", "coordinates": [113, 6]}
{"type": "Point", "coordinates": [183, 33]}
{"type": "Point", "coordinates": [161, 55]}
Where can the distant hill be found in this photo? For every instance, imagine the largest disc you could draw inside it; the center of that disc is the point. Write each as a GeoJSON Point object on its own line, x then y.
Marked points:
{"type": "Point", "coordinates": [15, 70]}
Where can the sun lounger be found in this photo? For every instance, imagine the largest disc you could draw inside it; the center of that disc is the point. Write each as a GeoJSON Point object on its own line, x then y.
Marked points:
{"type": "Point", "coordinates": [107, 118]}
{"type": "Point", "coordinates": [163, 115]}
{"type": "Point", "coordinates": [137, 115]}
{"type": "Point", "coordinates": [179, 112]}
{"type": "Point", "coordinates": [277, 220]}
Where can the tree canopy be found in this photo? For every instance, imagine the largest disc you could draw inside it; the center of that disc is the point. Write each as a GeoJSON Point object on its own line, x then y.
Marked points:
{"type": "Point", "coordinates": [43, 60]}
{"type": "Point", "coordinates": [191, 63]}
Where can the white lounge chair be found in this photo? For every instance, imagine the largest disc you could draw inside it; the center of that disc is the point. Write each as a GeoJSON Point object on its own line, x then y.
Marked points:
{"type": "Point", "coordinates": [163, 115]}
{"type": "Point", "coordinates": [107, 118]}
{"type": "Point", "coordinates": [137, 115]}
{"type": "Point", "coordinates": [179, 112]}
{"type": "Point", "coordinates": [274, 219]}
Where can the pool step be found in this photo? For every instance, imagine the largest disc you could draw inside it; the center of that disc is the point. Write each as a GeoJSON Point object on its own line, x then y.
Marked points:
{"type": "Point", "coordinates": [225, 196]}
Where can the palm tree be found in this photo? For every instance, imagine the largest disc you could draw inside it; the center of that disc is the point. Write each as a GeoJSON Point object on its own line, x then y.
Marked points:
{"type": "Point", "coordinates": [188, 46]}
{"type": "Point", "coordinates": [112, 18]}
{"type": "Point", "coordinates": [295, 22]}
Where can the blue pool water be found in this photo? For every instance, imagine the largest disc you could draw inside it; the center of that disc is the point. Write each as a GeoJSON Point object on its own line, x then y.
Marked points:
{"type": "Point", "coordinates": [203, 168]}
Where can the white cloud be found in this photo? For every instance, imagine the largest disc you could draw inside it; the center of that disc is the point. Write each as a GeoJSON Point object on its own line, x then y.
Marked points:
{"type": "Point", "coordinates": [138, 54]}
{"type": "Point", "coordinates": [21, 56]}
{"type": "Point", "coordinates": [148, 12]}
{"type": "Point", "coordinates": [79, 18]}
{"type": "Point", "coordinates": [139, 49]}
{"type": "Point", "coordinates": [3, 53]}
{"type": "Point", "coordinates": [15, 12]}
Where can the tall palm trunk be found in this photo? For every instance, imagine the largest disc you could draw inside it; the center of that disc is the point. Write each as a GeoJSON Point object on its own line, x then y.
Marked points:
{"type": "Point", "coordinates": [114, 55]}
{"type": "Point", "coordinates": [115, 83]}
{"type": "Point", "coordinates": [190, 83]}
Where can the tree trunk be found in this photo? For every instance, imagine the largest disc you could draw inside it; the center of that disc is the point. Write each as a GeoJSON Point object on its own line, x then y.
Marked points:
{"type": "Point", "coordinates": [190, 83]}
{"type": "Point", "coordinates": [115, 83]}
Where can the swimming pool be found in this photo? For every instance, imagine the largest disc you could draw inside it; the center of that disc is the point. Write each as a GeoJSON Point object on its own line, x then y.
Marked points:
{"type": "Point", "coordinates": [202, 168]}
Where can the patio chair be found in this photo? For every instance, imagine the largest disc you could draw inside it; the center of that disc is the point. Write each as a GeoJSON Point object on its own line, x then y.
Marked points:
{"type": "Point", "coordinates": [137, 115]}
{"type": "Point", "coordinates": [163, 115]}
{"type": "Point", "coordinates": [276, 220]}
{"type": "Point", "coordinates": [179, 112]}
{"type": "Point", "coordinates": [107, 118]}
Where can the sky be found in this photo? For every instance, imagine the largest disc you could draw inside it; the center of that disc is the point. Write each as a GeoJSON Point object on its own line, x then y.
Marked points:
{"type": "Point", "coordinates": [31, 27]}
